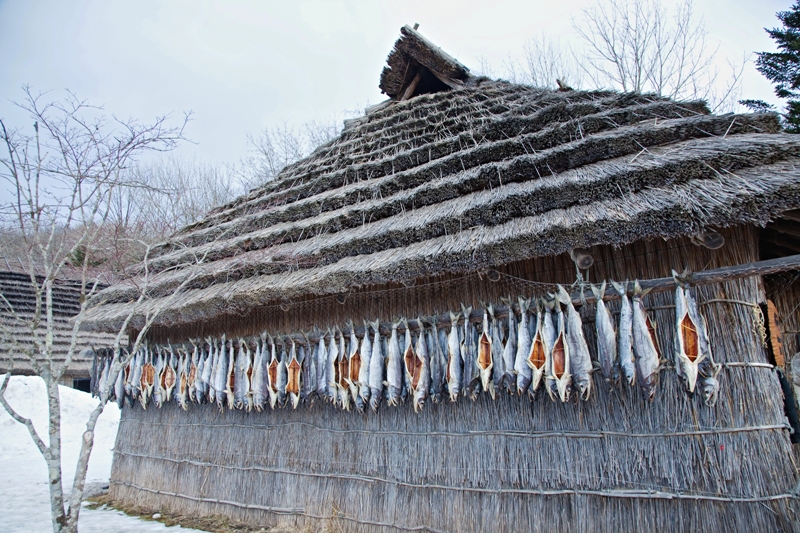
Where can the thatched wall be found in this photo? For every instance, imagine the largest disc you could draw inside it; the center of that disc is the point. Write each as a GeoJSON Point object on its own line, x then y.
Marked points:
{"type": "Point", "coordinates": [614, 463]}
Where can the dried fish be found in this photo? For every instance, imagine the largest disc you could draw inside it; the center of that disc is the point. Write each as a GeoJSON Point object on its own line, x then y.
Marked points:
{"type": "Point", "coordinates": [322, 366]}
{"type": "Point", "coordinates": [354, 363]}
{"type": "Point", "coordinates": [580, 360]}
{"type": "Point", "coordinates": [293, 376]}
{"type": "Point", "coordinates": [484, 358]}
{"type": "Point", "coordinates": [182, 386]}
{"type": "Point", "coordinates": [159, 394]}
{"type": "Point", "coordinates": [627, 360]}
{"type": "Point", "coordinates": [438, 363]}
{"type": "Point", "coordinates": [343, 375]}
{"type": "Point", "coordinates": [272, 374]}
{"type": "Point", "coordinates": [409, 358]}
{"type": "Point", "coordinates": [308, 383]}
{"type": "Point", "coordinates": [332, 370]}
{"type": "Point", "coordinates": [606, 338]}
{"type": "Point", "coordinates": [230, 376]}
{"type": "Point", "coordinates": [498, 370]}
{"type": "Point", "coordinates": [470, 374]}
{"type": "Point", "coordinates": [558, 374]}
{"type": "Point", "coordinates": [707, 369]}
{"type": "Point", "coordinates": [510, 351]}
{"type": "Point", "coordinates": [421, 377]}
{"type": "Point", "coordinates": [193, 373]}
{"type": "Point", "coordinates": [259, 373]}
{"type": "Point", "coordinates": [539, 354]}
{"type": "Point", "coordinates": [220, 371]}
{"type": "Point", "coordinates": [363, 370]}
{"type": "Point", "coordinates": [241, 378]}
{"type": "Point", "coordinates": [376, 369]}
{"type": "Point", "coordinates": [394, 368]}
{"type": "Point", "coordinates": [283, 375]}
{"type": "Point", "coordinates": [454, 363]}
{"type": "Point", "coordinates": [521, 367]}
{"type": "Point", "coordinates": [136, 374]}
{"type": "Point", "coordinates": [645, 345]}
{"type": "Point", "coordinates": [148, 379]}
{"type": "Point", "coordinates": [688, 355]}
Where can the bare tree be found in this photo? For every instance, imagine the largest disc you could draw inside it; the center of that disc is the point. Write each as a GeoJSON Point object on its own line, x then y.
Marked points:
{"type": "Point", "coordinates": [62, 179]}
{"type": "Point", "coordinates": [544, 61]}
{"type": "Point", "coordinates": [642, 46]}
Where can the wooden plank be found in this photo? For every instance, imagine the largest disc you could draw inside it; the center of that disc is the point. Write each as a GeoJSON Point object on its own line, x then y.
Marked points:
{"type": "Point", "coordinates": [409, 92]}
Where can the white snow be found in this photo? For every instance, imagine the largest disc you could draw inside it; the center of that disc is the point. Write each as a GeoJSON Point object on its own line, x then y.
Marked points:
{"type": "Point", "coordinates": [24, 495]}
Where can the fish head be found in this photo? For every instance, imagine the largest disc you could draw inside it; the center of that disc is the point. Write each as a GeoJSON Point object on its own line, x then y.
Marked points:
{"type": "Point", "coordinates": [710, 391]}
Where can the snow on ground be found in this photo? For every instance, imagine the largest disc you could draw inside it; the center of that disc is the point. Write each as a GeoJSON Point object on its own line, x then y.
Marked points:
{"type": "Point", "coordinates": [24, 495]}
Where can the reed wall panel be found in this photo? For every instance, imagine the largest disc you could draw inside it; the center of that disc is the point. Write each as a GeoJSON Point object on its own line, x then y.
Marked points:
{"type": "Point", "coordinates": [614, 463]}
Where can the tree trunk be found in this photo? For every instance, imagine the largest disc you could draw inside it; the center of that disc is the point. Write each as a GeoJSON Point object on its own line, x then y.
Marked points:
{"type": "Point", "coordinates": [53, 457]}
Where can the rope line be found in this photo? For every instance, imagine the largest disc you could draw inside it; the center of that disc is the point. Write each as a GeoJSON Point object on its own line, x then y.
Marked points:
{"type": "Point", "coordinates": [545, 434]}
{"type": "Point", "coordinates": [612, 493]}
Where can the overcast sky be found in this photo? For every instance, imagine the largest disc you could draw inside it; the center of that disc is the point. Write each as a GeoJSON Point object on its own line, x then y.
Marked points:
{"type": "Point", "coordinates": [243, 65]}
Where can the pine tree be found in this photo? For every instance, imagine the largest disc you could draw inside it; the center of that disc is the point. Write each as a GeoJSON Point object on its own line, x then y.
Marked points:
{"type": "Point", "coordinates": [783, 67]}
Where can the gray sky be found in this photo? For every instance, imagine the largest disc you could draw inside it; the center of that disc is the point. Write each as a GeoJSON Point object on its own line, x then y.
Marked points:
{"type": "Point", "coordinates": [243, 65]}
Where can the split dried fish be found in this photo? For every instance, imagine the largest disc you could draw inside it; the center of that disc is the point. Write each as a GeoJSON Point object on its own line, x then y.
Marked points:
{"type": "Point", "coordinates": [421, 376]}
{"type": "Point", "coordinates": [322, 366]}
{"type": "Point", "coordinates": [343, 375]}
{"type": "Point", "coordinates": [438, 362]}
{"type": "Point", "coordinates": [293, 376]}
{"type": "Point", "coordinates": [484, 360]}
{"type": "Point", "coordinates": [627, 360]}
{"type": "Point", "coordinates": [558, 374]}
{"type": "Point", "coordinates": [537, 359]}
{"type": "Point", "coordinates": [688, 355]}
{"type": "Point", "coordinates": [272, 374]}
{"type": "Point", "coordinates": [283, 375]}
{"type": "Point", "coordinates": [241, 382]}
{"type": "Point", "coordinates": [354, 362]}
{"type": "Point", "coordinates": [521, 367]}
{"type": "Point", "coordinates": [498, 368]}
{"type": "Point", "coordinates": [332, 370]}
{"type": "Point", "coordinates": [259, 374]}
{"type": "Point", "coordinates": [606, 338]}
{"type": "Point", "coordinates": [645, 345]}
{"type": "Point", "coordinates": [308, 383]}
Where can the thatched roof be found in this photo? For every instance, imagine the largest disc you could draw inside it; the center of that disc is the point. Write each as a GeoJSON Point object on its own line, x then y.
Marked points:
{"type": "Point", "coordinates": [465, 179]}
{"type": "Point", "coordinates": [16, 312]}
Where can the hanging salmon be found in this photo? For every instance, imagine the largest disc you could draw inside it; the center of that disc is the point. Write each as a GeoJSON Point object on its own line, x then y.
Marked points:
{"type": "Point", "coordinates": [521, 368]}
{"type": "Point", "coordinates": [580, 360]}
{"type": "Point", "coordinates": [136, 374]}
{"type": "Point", "coordinates": [322, 366]}
{"type": "Point", "coordinates": [558, 374]}
{"type": "Point", "coordinates": [645, 345]}
{"type": "Point", "coordinates": [470, 373]}
{"type": "Point", "coordinates": [148, 379]}
{"type": "Point", "coordinates": [182, 386]}
{"type": "Point", "coordinates": [283, 374]}
{"type": "Point", "coordinates": [510, 351]}
{"type": "Point", "coordinates": [437, 360]}
{"type": "Point", "coordinates": [394, 368]}
{"type": "Point", "coordinates": [421, 376]}
{"type": "Point", "coordinates": [293, 377]}
{"type": "Point", "coordinates": [606, 338]}
{"type": "Point", "coordinates": [688, 355]}
{"type": "Point", "coordinates": [354, 362]}
{"type": "Point", "coordinates": [627, 360]}
{"type": "Point", "coordinates": [159, 391]}
{"type": "Point", "coordinates": [342, 372]}
{"type": "Point", "coordinates": [454, 362]}
{"type": "Point", "coordinates": [230, 376]}
{"type": "Point", "coordinates": [484, 358]}
{"type": "Point", "coordinates": [498, 368]}
{"type": "Point", "coordinates": [208, 373]}
{"type": "Point", "coordinates": [377, 366]}
{"type": "Point", "coordinates": [363, 370]}
{"type": "Point", "coordinates": [272, 374]}
{"type": "Point", "coordinates": [308, 360]}
{"type": "Point", "coordinates": [537, 359]}
{"type": "Point", "coordinates": [332, 370]}
{"type": "Point", "coordinates": [241, 382]}
{"type": "Point", "coordinates": [193, 372]}
{"type": "Point", "coordinates": [409, 358]}
{"type": "Point", "coordinates": [220, 371]}
{"type": "Point", "coordinates": [708, 370]}
{"type": "Point", "coordinates": [259, 369]}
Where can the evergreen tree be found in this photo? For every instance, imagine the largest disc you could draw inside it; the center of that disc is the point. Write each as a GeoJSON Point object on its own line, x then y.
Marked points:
{"type": "Point", "coordinates": [783, 67]}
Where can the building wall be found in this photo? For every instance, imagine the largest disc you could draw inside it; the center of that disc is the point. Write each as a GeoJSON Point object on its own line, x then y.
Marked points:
{"type": "Point", "coordinates": [614, 463]}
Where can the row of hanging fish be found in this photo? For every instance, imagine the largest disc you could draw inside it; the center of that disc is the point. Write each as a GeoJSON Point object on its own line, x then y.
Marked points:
{"type": "Point", "coordinates": [540, 351]}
